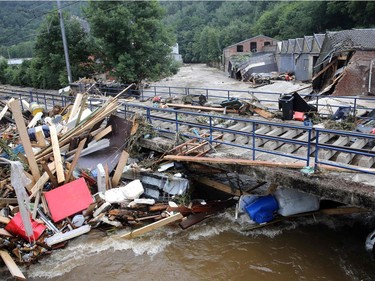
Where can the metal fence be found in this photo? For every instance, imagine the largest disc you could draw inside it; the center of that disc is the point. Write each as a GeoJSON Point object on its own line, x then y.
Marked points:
{"type": "Point", "coordinates": [186, 124]}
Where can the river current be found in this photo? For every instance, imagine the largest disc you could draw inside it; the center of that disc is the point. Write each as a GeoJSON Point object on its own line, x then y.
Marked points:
{"type": "Point", "coordinates": [219, 248]}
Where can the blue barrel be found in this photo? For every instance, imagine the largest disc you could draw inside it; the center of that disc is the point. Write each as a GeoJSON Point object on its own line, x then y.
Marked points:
{"type": "Point", "coordinates": [263, 209]}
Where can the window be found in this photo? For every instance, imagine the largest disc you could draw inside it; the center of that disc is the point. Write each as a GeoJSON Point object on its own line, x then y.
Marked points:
{"type": "Point", "coordinates": [253, 46]}
{"type": "Point", "coordinates": [239, 48]}
{"type": "Point", "coordinates": [267, 43]}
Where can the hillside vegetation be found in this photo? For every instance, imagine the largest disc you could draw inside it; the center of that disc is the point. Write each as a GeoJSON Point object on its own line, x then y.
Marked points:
{"type": "Point", "coordinates": [131, 38]}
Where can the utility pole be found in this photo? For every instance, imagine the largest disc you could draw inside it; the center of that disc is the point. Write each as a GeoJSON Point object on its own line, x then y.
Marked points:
{"type": "Point", "coordinates": [64, 42]}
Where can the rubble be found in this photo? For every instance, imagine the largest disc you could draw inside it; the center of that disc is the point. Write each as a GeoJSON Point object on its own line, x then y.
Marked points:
{"type": "Point", "coordinates": [77, 175]}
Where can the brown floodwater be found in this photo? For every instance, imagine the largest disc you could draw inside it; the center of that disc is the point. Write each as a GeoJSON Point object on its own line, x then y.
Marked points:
{"type": "Point", "coordinates": [313, 248]}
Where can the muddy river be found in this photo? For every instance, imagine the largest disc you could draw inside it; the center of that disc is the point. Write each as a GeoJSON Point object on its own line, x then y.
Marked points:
{"type": "Point", "coordinates": [220, 248]}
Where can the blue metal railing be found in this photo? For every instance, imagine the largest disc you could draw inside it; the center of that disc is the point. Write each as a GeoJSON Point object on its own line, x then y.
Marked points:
{"type": "Point", "coordinates": [212, 128]}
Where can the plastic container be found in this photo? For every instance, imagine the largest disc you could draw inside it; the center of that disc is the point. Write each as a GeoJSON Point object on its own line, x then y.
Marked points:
{"type": "Point", "coordinates": [286, 106]}
{"type": "Point", "coordinates": [299, 116]}
{"type": "Point", "coordinates": [246, 200]}
{"type": "Point", "coordinates": [35, 108]}
{"type": "Point", "coordinates": [293, 202]}
{"type": "Point", "coordinates": [263, 209]}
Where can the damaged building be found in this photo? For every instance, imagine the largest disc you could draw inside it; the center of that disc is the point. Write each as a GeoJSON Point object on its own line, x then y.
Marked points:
{"type": "Point", "coordinates": [346, 63]}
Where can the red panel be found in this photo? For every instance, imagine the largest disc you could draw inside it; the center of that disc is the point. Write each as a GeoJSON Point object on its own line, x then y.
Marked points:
{"type": "Point", "coordinates": [15, 226]}
{"type": "Point", "coordinates": [68, 199]}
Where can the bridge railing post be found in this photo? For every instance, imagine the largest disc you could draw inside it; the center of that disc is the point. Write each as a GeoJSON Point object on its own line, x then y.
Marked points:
{"type": "Point", "coordinates": [355, 108]}
{"type": "Point", "coordinates": [176, 121]}
{"type": "Point", "coordinates": [316, 150]}
{"type": "Point", "coordinates": [308, 147]}
{"type": "Point", "coordinates": [211, 130]}
{"type": "Point", "coordinates": [253, 142]}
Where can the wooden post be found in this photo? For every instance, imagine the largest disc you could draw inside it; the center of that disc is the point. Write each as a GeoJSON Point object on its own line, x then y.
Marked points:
{"type": "Point", "coordinates": [56, 154]}
{"type": "Point", "coordinates": [120, 168]}
{"type": "Point", "coordinates": [21, 127]}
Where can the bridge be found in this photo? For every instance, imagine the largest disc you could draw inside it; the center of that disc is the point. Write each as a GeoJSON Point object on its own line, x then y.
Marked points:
{"type": "Point", "coordinates": [251, 137]}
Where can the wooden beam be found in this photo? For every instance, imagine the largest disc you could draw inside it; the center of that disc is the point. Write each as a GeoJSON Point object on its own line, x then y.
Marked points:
{"type": "Point", "coordinates": [7, 201]}
{"type": "Point", "coordinates": [75, 108]}
{"type": "Point", "coordinates": [39, 135]}
{"type": "Point", "coordinates": [205, 108]}
{"type": "Point", "coordinates": [75, 159]}
{"type": "Point", "coordinates": [42, 180]}
{"type": "Point", "coordinates": [5, 233]}
{"type": "Point", "coordinates": [50, 174]}
{"type": "Point", "coordinates": [246, 162]}
{"type": "Point", "coordinates": [103, 133]}
{"type": "Point", "coordinates": [21, 127]}
{"type": "Point", "coordinates": [152, 226]}
{"type": "Point", "coordinates": [120, 168]}
{"type": "Point", "coordinates": [323, 70]}
{"type": "Point", "coordinates": [4, 220]}
{"type": "Point", "coordinates": [12, 266]}
{"type": "Point", "coordinates": [218, 185]}
{"type": "Point", "coordinates": [57, 155]}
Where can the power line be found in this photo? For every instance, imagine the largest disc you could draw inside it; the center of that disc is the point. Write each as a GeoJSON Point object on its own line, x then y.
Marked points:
{"type": "Point", "coordinates": [27, 23]}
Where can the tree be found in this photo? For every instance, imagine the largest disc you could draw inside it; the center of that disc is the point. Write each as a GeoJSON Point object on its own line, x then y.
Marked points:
{"type": "Point", "coordinates": [3, 68]}
{"type": "Point", "coordinates": [48, 68]}
{"type": "Point", "coordinates": [132, 42]}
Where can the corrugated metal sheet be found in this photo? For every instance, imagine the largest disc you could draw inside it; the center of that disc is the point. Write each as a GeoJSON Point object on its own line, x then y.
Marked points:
{"type": "Point", "coordinates": [263, 63]}
{"type": "Point", "coordinates": [286, 63]}
{"type": "Point", "coordinates": [302, 70]}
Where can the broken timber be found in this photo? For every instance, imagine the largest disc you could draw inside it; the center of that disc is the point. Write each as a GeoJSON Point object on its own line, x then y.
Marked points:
{"type": "Point", "coordinates": [13, 268]}
{"type": "Point", "coordinates": [152, 226]}
{"type": "Point", "coordinates": [246, 162]}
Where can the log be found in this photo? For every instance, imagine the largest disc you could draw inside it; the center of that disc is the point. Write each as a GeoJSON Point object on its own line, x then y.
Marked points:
{"type": "Point", "coordinates": [152, 226]}
{"type": "Point", "coordinates": [13, 268]}
{"type": "Point", "coordinates": [21, 127]}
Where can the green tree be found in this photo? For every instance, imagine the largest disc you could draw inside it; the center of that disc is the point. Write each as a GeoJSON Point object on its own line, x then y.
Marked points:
{"type": "Point", "coordinates": [132, 42]}
{"type": "Point", "coordinates": [3, 68]}
{"type": "Point", "coordinates": [48, 68]}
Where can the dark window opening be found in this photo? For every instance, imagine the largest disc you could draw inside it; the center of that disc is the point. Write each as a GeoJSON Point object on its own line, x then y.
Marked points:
{"type": "Point", "coordinates": [253, 46]}
{"type": "Point", "coordinates": [267, 43]}
{"type": "Point", "coordinates": [239, 48]}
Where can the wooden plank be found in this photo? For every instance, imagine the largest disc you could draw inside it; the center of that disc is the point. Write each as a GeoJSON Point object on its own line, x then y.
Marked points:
{"type": "Point", "coordinates": [216, 109]}
{"type": "Point", "coordinates": [4, 220]}
{"type": "Point", "coordinates": [120, 168]}
{"type": "Point", "coordinates": [263, 113]}
{"type": "Point", "coordinates": [76, 106]}
{"type": "Point", "coordinates": [152, 226]}
{"type": "Point", "coordinates": [103, 133]}
{"type": "Point", "coordinates": [39, 135]}
{"type": "Point", "coordinates": [246, 162]}
{"type": "Point", "coordinates": [50, 174]}
{"type": "Point", "coordinates": [7, 201]}
{"type": "Point", "coordinates": [21, 127]}
{"type": "Point", "coordinates": [57, 155]}
{"type": "Point", "coordinates": [5, 109]}
{"type": "Point", "coordinates": [12, 266]}
{"type": "Point", "coordinates": [42, 180]}
{"type": "Point", "coordinates": [75, 159]}
{"type": "Point", "coordinates": [218, 186]}
{"type": "Point", "coordinates": [5, 233]}
{"type": "Point", "coordinates": [323, 70]}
